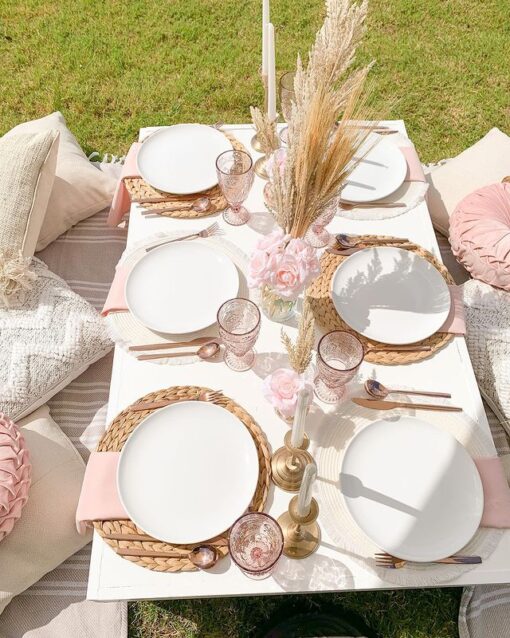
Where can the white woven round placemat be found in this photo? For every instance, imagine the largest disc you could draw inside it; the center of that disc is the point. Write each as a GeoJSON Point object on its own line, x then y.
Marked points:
{"type": "Point", "coordinates": [126, 331]}
{"type": "Point", "coordinates": [331, 443]}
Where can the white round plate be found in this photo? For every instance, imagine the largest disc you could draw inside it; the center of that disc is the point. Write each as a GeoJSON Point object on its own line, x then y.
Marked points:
{"type": "Point", "coordinates": [187, 472]}
{"type": "Point", "coordinates": [378, 175]}
{"type": "Point", "coordinates": [390, 295]}
{"type": "Point", "coordinates": [178, 287]}
{"type": "Point", "coordinates": [181, 159]}
{"type": "Point", "coordinates": [412, 488]}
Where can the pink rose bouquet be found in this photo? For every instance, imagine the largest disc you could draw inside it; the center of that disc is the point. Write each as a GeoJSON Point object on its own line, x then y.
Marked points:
{"type": "Point", "coordinates": [281, 389]}
{"type": "Point", "coordinates": [285, 265]}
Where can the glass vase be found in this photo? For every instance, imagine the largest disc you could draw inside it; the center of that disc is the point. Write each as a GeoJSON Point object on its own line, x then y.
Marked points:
{"type": "Point", "coordinates": [275, 307]}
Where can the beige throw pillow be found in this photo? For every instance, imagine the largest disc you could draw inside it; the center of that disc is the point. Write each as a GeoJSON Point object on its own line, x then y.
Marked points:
{"type": "Point", "coordinates": [484, 163]}
{"type": "Point", "coordinates": [27, 171]}
{"type": "Point", "coordinates": [46, 533]}
{"type": "Point", "coordinates": [80, 189]}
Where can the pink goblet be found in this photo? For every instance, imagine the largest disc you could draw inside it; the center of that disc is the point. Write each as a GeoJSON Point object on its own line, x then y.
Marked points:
{"type": "Point", "coordinates": [239, 327]}
{"type": "Point", "coordinates": [339, 355]}
{"type": "Point", "coordinates": [256, 544]}
{"type": "Point", "coordinates": [235, 177]}
{"type": "Point", "coordinates": [317, 235]}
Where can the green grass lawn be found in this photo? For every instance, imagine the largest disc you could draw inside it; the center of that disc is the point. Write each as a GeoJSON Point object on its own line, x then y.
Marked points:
{"type": "Point", "coordinates": [115, 65]}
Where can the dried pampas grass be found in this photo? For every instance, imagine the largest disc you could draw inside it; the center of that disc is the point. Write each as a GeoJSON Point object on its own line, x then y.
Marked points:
{"type": "Point", "coordinates": [266, 130]}
{"type": "Point", "coordinates": [15, 277]}
{"type": "Point", "coordinates": [300, 352]}
{"type": "Point", "coordinates": [322, 152]}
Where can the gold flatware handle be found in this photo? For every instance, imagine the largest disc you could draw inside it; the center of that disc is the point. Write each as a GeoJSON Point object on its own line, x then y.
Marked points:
{"type": "Point", "coordinates": [427, 406]}
{"type": "Point", "coordinates": [169, 346]}
{"type": "Point", "coordinates": [422, 393]}
{"type": "Point", "coordinates": [372, 205]}
{"type": "Point", "coordinates": [152, 554]}
{"type": "Point", "coordinates": [151, 200]}
{"type": "Point", "coordinates": [152, 405]}
{"type": "Point", "coordinates": [130, 537]}
{"type": "Point", "coordinates": [166, 355]}
{"type": "Point", "coordinates": [170, 241]}
{"type": "Point", "coordinates": [399, 349]}
{"type": "Point", "coordinates": [350, 251]}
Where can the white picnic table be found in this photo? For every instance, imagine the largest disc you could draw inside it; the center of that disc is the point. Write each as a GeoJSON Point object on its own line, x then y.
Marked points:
{"type": "Point", "coordinates": [329, 569]}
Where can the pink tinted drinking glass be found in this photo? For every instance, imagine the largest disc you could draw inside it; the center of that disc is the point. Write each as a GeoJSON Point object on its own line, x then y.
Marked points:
{"type": "Point", "coordinates": [239, 327]}
{"type": "Point", "coordinates": [256, 544]}
{"type": "Point", "coordinates": [339, 355]}
{"type": "Point", "coordinates": [235, 177]}
{"type": "Point", "coordinates": [317, 235]}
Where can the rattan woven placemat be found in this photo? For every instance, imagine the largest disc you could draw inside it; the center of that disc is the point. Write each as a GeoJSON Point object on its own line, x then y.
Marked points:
{"type": "Point", "coordinates": [138, 189]}
{"type": "Point", "coordinates": [166, 560]}
{"type": "Point", "coordinates": [328, 318]}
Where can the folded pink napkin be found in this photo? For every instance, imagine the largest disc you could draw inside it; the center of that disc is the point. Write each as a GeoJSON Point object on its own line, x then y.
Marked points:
{"type": "Point", "coordinates": [99, 499]}
{"type": "Point", "coordinates": [116, 299]}
{"type": "Point", "coordinates": [496, 493]}
{"type": "Point", "coordinates": [414, 168]}
{"type": "Point", "coordinates": [121, 200]}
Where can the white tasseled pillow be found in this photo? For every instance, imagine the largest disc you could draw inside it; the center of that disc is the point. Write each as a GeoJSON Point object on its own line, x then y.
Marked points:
{"type": "Point", "coordinates": [47, 339]}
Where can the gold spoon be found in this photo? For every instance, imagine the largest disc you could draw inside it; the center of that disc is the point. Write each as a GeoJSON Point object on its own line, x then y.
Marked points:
{"type": "Point", "coordinates": [202, 556]}
{"type": "Point", "coordinates": [351, 241]}
{"type": "Point", "coordinates": [200, 205]}
{"type": "Point", "coordinates": [347, 206]}
{"type": "Point", "coordinates": [207, 351]}
{"type": "Point", "coordinates": [379, 391]}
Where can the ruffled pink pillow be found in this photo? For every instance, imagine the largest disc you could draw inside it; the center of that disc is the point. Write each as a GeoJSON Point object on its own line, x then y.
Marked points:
{"type": "Point", "coordinates": [15, 474]}
{"type": "Point", "coordinates": [480, 234]}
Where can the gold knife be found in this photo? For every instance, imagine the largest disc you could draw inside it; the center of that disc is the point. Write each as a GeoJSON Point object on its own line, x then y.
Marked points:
{"type": "Point", "coordinates": [378, 404]}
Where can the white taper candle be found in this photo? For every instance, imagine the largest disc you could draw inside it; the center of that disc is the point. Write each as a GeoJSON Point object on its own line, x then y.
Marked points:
{"type": "Point", "coordinates": [265, 22]}
{"type": "Point", "coordinates": [305, 491]}
{"type": "Point", "coordinates": [271, 74]}
{"type": "Point", "coordinates": [298, 426]}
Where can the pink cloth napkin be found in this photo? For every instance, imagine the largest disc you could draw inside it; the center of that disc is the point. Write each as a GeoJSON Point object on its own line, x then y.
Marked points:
{"type": "Point", "coordinates": [496, 493]}
{"type": "Point", "coordinates": [99, 499]}
{"type": "Point", "coordinates": [121, 200]}
{"type": "Point", "coordinates": [116, 299]}
{"type": "Point", "coordinates": [414, 168]}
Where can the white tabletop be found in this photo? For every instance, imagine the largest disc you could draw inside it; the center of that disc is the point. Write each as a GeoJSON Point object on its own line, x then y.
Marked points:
{"type": "Point", "coordinates": [329, 569]}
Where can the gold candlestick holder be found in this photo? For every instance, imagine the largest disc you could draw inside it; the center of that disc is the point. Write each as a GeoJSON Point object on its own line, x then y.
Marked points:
{"type": "Point", "coordinates": [301, 534]}
{"type": "Point", "coordinates": [255, 142]}
{"type": "Point", "coordinates": [288, 464]}
{"type": "Point", "coordinates": [260, 167]}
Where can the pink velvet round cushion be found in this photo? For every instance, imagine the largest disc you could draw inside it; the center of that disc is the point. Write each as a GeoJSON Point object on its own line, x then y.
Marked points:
{"type": "Point", "coordinates": [480, 234]}
{"type": "Point", "coordinates": [15, 474]}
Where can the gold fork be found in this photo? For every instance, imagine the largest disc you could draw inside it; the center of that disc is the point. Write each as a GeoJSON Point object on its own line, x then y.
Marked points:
{"type": "Point", "coordinates": [392, 562]}
{"type": "Point", "coordinates": [213, 229]}
{"type": "Point", "coordinates": [210, 396]}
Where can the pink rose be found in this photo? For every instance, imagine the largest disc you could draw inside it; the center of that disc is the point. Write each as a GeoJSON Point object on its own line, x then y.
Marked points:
{"type": "Point", "coordinates": [307, 259]}
{"type": "Point", "coordinates": [281, 388]}
{"type": "Point", "coordinates": [258, 271]}
{"type": "Point", "coordinates": [286, 279]}
{"type": "Point", "coordinates": [272, 241]}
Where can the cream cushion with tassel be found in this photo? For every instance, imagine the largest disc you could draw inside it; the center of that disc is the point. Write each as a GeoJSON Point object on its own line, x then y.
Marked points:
{"type": "Point", "coordinates": [27, 172]}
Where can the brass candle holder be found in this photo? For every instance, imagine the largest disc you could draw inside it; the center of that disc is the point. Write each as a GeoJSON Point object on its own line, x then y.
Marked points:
{"type": "Point", "coordinates": [301, 534]}
{"type": "Point", "coordinates": [260, 167]}
{"type": "Point", "coordinates": [255, 142]}
{"type": "Point", "coordinates": [288, 464]}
